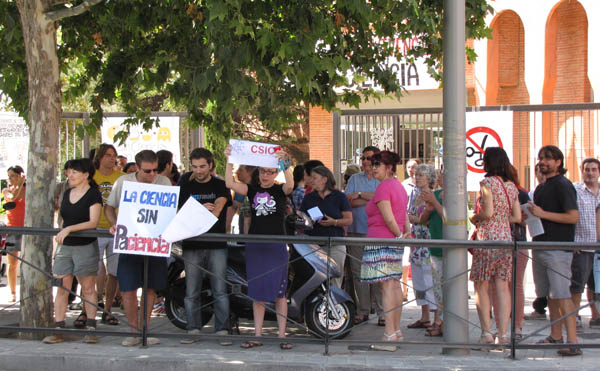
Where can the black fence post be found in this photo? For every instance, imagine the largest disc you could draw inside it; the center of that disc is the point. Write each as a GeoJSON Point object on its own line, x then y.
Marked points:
{"type": "Point", "coordinates": [327, 297]}
{"type": "Point", "coordinates": [513, 315]}
{"type": "Point", "coordinates": [145, 304]}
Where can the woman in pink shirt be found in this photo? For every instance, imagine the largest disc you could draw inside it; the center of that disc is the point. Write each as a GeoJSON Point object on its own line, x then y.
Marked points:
{"type": "Point", "coordinates": [386, 213]}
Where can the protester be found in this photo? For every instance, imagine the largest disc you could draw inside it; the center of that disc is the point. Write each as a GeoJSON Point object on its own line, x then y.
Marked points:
{"type": "Point", "coordinates": [336, 211]}
{"type": "Point", "coordinates": [121, 163]}
{"type": "Point", "coordinates": [200, 257]}
{"type": "Point", "coordinates": [308, 166]}
{"type": "Point", "coordinates": [519, 233]}
{"type": "Point", "coordinates": [386, 212]}
{"type": "Point", "coordinates": [420, 259]}
{"type": "Point", "coordinates": [165, 163]}
{"type": "Point", "coordinates": [588, 197]}
{"type": "Point", "coordinates": [433, 217]}
{"type": "Point", "coordinates": [15, 192]}
{"type": "Point", "coordinates": [351, 169]}
{"type": "Point", "coordinates": [77, 256]}
{"type": "Point", "coordinates": [409, 186]}
{"type": "Point", "coordinates": [498, 207]}
{"type": "Point", "coordinates": [105, 176]}
{"type": "Point", "coordinates": [540, 303]}
{"type": "Point", "coordinates": [299, 191]}
{"type": "Point", "coordinates": [360, 190]}
{"type": "Point", "coordinates": [131, 267]}
{"type": "Point", "coordinates": [266, 263]}
{"type": "Point", "coordinates": [555, 203]}
{"type": "Point", "coordinates": [131, 167]}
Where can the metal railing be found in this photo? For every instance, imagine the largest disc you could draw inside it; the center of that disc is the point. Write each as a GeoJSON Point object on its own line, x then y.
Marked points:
{"type": "Point", "coordinates": [325, 243]}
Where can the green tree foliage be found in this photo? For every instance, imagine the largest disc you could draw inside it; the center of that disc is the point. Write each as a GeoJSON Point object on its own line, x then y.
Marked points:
{"type": "Point", "coordinates": [222, 59]}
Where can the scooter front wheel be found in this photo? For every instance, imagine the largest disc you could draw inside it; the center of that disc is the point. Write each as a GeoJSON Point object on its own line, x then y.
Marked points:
{"type": "Point", "coordinates": [176, 312]}
{"type": "Point", "coordinates": [321, 320]}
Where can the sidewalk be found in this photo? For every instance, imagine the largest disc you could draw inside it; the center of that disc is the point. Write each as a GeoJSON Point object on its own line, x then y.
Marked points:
{"type": "Point", "coordinates": [207, 354]}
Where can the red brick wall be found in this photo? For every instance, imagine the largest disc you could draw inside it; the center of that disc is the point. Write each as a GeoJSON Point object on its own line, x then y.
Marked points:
{"type": "Point", "coordinates": [506, 79]}
{"type": "Point", "coordinates": [320, 144]}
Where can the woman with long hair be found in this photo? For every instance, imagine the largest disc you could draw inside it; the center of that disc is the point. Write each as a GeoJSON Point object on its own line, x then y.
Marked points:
{"type": "Point", "coordinates": [387, 218]}
{"type": "Point", "coordinates": [15, 192]}
{"type": "Point", "coordinates": [266, 263]}
{"type": "Point", "coordinates": [77, 256]}
{"type": "Point", "coordinates": [337, 213]}
{"type": "Point", "coordinates": [499, 206]}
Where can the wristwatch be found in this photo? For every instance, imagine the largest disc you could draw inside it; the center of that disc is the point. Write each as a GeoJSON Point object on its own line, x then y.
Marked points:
{"type": "Point", "coordinates": [359, 195]}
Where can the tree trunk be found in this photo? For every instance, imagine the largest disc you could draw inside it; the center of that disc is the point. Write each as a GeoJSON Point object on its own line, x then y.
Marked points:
{"type": "Point", "coordinates": [39, 36]}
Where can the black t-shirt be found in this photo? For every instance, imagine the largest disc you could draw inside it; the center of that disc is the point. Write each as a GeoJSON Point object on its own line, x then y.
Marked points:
{"type": "Point", "coordinates": [332, 205]}
{"type": "Point", "coordinates": [79, 212]}
{"type": "Point", "coordinates": [267, 209]}
{"type": "Point", "coordinates": [556, 195]}
{"type": "Point", "coordinates": [205, 193]}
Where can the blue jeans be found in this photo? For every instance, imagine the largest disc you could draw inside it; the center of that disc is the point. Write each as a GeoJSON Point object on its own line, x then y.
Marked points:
{"type": "Point", "coordinates": [214, 261]}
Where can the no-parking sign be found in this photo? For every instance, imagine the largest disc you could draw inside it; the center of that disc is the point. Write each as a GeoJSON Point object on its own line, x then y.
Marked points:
{"type": "Point", "coordinates": [484, 130]}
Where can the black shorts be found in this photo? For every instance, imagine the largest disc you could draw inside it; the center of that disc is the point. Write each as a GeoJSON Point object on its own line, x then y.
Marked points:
{"type": "Point", "coordinates": [582, 272]}
{"type": "Point", "coordinates": [130, 272]}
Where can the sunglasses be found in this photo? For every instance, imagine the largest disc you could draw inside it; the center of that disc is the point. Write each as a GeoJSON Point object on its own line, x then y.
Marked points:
{"type": "Point", "coordinates": [148, 171]}
{"type": "Point", "coordinates": [375, 164]}
{"type": "Point", "coordinates": [268, 172]}
{"type": "Point", "coordinates": [363, 158]}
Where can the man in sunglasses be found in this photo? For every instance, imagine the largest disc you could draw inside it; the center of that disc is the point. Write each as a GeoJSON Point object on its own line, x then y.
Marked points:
{"type": "Point", "coordinates": [131, 267]}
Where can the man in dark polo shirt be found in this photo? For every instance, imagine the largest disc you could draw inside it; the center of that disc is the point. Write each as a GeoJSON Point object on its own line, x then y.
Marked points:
{"type": "Point", "coordinates": [555, 202]}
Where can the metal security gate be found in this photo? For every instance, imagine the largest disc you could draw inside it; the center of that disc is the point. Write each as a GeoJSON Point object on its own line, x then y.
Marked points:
{"type": "Point", "coordinates": [418, 133]}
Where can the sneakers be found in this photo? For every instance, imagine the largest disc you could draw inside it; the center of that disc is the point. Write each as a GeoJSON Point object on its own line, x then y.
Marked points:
{"type": "Point", "coordinates": [53, 339]}
{"type": "Point", "coordinates": [595, 323]}
{"type": "Point", "coordinates": [535, 316]}
{"type": "Point", "coordinates": [159, 309]}
{"type": "Point", "coordinates": [191, 340]}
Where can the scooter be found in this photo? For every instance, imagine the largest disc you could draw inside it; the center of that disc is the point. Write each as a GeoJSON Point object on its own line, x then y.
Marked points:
{"type": "Point", "coordinates": [325, 312]}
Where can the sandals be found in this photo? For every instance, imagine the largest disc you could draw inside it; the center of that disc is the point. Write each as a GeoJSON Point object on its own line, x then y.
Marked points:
{"type": "Point", "coordinates": [109, 319]}
{"type": "Point", "coordinates": [419, 324]}
{"type": "Point", "coordinates": [360, 319]}
{"type": "Point", "coordinates": [570, 352]}
{"type": "Point", "coordinates": [550, 340]}
{"type": "Point", "coordinates": [286, 346]}
{"type": "Point", "coordinates": [434, 331]}
{"type": "Point", "coordinates": [80, 321]}
{"type": "Point", "coordinates": [251, 344]}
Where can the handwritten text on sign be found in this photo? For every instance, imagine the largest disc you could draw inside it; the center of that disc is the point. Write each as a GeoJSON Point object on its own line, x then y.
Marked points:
{"type": "Point", "coordinates": [145, 211]}
{"type": "Point", "coordinates": [244, 152]}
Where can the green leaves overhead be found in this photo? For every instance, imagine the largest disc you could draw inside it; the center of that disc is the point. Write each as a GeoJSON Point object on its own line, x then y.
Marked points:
{"type": "Point", "coordinates": [220, 59]}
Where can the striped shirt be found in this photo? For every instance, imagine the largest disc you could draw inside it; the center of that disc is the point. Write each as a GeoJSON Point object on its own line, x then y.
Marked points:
{"type": "Point", "coordinates": [585, 231]}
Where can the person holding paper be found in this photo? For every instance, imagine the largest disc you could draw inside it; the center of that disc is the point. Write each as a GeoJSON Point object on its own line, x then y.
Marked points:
{"type": "Point", "coordinates": [555, 202]}
{"type": "Point", "coordinates": [336, 213]}
{"type": "Point", "coordinates": [77, 256]}
{"type": "Point", "coordinates": [130, 271]}
{"type": "Point", "coordinates": [499, 207]}
{"type": "Point", "coordinates": [387, 218]}
{"type": "Point", "coordinates": [266, 263]}
{"type": "Point", "coordinates": [199, 256]}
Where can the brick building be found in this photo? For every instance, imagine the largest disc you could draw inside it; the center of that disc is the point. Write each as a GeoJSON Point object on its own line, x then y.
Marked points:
{"type": "Point", "coordinates": [541, 53]}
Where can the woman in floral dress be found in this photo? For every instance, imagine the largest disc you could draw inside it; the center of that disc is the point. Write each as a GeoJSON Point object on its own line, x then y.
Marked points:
{"type": "Point", "coordinates": [499, 206]}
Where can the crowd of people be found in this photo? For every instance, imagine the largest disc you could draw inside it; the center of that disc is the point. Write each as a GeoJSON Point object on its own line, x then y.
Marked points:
{"type": "Point", "coordinates": [371, 203]}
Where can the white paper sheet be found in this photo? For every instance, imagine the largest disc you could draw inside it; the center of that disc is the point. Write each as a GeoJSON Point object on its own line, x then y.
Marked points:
{"type": "Point", "coordinates": [315, 214]}
{"type": "Point", "coordinates": [244, 152]}
{"type": "Point", "coordinates": [191, 220]}
{"type": "Point", "coordinates": [534, 224]}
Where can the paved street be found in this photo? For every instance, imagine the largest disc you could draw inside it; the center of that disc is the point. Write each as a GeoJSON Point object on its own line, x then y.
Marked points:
{"type": "Point", "coordinates": [207, 354]}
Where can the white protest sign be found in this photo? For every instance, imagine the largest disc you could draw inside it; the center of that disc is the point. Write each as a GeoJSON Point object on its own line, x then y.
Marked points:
{"type": "Point", "coordinates": [192, 220]}
{"type": "Point", "coordinates": [483, 130]}
{"type": "Point", "coordinates": [14, 142]}
{"type": "Point", "coordinates": [166, 136]}
{"type": "Point", "coordinates": [244, 152]}
{"type": "Point", "coordinates": [145, 211]}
